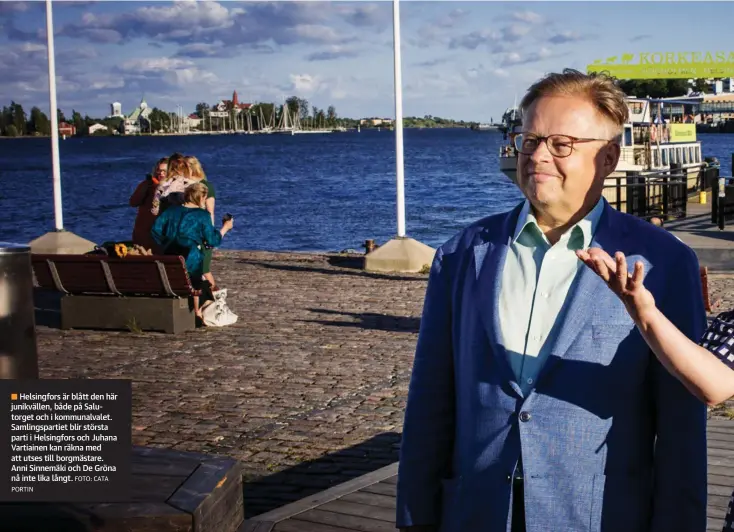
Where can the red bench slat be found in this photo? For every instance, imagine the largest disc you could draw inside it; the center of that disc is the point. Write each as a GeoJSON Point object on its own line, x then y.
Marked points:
{"type": "Point", "coordinates": [132, 275]}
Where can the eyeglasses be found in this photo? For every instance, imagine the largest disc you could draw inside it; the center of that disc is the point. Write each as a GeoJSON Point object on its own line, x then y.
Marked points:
{"type": "Point", "coordinates": [558, 145]}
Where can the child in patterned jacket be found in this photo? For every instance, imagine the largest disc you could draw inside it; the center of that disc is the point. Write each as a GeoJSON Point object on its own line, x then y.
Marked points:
{"type": "Point", "coordinates": [170, 191]}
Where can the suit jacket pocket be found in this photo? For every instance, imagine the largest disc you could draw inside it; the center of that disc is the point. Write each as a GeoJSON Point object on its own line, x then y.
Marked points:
{"type": "Point", "coordinates": [611, 331]}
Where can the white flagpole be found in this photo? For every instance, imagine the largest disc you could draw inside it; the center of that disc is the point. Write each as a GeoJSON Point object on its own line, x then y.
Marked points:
{"type": "Point", "coordinates": [54, 118]}
{"type": "Point", "coordinates": [398, 119]}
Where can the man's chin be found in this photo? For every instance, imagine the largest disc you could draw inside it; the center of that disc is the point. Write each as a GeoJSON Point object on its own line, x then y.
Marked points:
{"type": "Point", "coordinates": [540, 197]}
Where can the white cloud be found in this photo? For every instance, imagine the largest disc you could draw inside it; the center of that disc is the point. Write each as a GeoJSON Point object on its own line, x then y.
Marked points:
{"type": "Point", "coordinates": [514, 58]}
{"type": "Point", "coordinates": [366, 15]}
{"type": "Point", "coordinates": [336, 51]}
{"type": "Point", "coordinates": [317, 33]}
{"type": "Point", "coordinates": [175, 71]}
{"type": "Point", "coordinates": [305, 83]}
{"type": "Point", "coordinates": [190, 76]}
{"type": "Point", "coordinates": [514, 32]}
{"type": "Point", "coordinates": [567, 36]}
{"type": "Point", "coordinates": [108, 83]}
{"type": "Point", "coordinates": [32, 47]}
{"type": "Point", "coordinates": [155, 64]}
{"type": "Point", "coordinates": [528, 16]}
{"type": "Point", "coordinates": [436, 31]}
{"type": "Point", "coordinates": [10, 8]}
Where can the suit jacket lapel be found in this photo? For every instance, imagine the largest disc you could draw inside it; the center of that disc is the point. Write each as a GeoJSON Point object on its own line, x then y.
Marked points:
{"type": "Point", "coordinates": [489, 259]}
{"type": "Point", "coordinates": [577, 310]}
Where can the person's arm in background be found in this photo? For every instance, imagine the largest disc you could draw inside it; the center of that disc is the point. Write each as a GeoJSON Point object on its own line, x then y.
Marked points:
{"type": "Point", "coordinates": [428, 430]}
{"type": "Point", "coordinates": [141, 191]}
{"type": "Point", "coordinates": [155, 209]}
{"type": "Point", "coordinates": [702, 372]}
{"type": "Point", "coordinates": [210, 207]}
{"type": "Point", "coordinates": [680, 450]}
{"type": "Point", "coordinates": [680, 489]}
{"type": "Point", "coordinates": [210, 198]}
{"type": "Point", "coordinates": [213, 237]}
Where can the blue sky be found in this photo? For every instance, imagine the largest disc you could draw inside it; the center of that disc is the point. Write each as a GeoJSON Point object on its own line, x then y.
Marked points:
{"type": "Point", "coordinates": [465, 60]}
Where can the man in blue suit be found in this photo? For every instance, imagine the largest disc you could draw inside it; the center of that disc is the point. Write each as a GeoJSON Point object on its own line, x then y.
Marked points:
{"type": "Point", "coordinates": [535, 404]}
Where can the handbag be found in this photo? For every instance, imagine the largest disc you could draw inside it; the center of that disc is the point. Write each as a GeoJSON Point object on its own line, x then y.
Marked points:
{"type": "Point", "coordinates": [216, 313]}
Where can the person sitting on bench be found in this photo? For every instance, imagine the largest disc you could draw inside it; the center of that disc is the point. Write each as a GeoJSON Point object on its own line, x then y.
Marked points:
{"type": "Point", "coordinates": [185, 230]}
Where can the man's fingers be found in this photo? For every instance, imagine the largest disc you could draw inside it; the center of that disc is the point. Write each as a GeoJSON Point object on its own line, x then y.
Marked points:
{"type": "Point", "coordinates": [621, 273]}
{"type": "Point", "coordinates": [604, 257]}
{"type": "Point", "coordinates": [601, 269]}
{"type": "Point", "coordinates": [638, 275]}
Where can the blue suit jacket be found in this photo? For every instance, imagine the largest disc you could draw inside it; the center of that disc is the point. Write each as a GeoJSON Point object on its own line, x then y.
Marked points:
{"type": "Point", "coordinates": [610, 440]}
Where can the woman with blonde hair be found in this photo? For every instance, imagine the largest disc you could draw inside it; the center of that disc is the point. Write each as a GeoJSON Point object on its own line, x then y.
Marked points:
{"type": "Point", "coordinates": [185, 230]}
{"type": "Point", "coordinates": [171, 190]}
{"type": "Point", "coordinates": [197, 173]}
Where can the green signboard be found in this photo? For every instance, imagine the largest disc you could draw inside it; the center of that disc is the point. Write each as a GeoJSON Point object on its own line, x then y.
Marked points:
{"type": "Point", "coordinates": [667, 65]}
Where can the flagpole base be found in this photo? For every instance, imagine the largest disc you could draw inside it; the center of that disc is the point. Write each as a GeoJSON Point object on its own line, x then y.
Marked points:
{"type": "Point", "coordinates": [401, 254]}
{"type": "Point", "coordinates": [61, 243]}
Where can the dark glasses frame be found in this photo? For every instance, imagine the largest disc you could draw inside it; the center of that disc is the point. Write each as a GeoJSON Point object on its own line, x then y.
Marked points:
{"type": "Point", "coordinates": [564, 139]}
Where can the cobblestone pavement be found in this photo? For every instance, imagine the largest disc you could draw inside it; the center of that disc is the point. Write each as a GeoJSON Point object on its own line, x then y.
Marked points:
{"type": "Point", "coordinates": [317, 364]}
{"type": "Point", "coordinates": [307, 389]}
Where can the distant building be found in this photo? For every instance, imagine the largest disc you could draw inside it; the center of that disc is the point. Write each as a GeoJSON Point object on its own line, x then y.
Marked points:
{"type": "Point", "coordinates": [376, 121]}
{"type": "Point", "coordinates": [116, 110]}
{"type": "Point", "coordinates": [192, 121]}
{"type": "Point", "coordinates": [96, 127]}
{"type": "Point", "coordinates": [137, 121]}
{"type": "Point", "coordinates": [719, 85]}
{"type": "Point", "coordinates": [67, 129]}
{"type": "Point", "coordinates": [231, 105]}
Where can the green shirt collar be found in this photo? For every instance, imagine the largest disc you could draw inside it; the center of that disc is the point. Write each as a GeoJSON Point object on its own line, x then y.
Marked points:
{"type": "Point", "coordinates": [527, 223]}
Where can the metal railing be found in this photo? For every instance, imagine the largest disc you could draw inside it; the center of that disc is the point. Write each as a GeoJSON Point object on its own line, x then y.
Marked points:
{"type": "Point", "coordinates": [722, 196]}
{"type": "Point", "coordinates": [662, 194]}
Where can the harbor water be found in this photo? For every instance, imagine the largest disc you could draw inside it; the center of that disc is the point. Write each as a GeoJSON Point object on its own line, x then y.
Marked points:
{"type": "Point", "coordinates": [287, 193]}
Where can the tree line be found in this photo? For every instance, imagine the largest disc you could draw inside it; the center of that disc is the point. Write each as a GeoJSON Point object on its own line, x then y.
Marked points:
{"type": "Point", "coordinates": [661, 88]}
{"type": "Point", "coordinates": [15, 122]}
{"type": "Point", "coordinates": [263, 114]}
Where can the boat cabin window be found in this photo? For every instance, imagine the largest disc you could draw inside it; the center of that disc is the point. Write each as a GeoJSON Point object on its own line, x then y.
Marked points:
{"type": "Point", "coordinates": [627, 140]}
{"type": "Point", "coordinates": [655, 158]}
{"type": "Point", "coordinates": [664, 156]}
{"type": "Point", "coordinates": [678, 156]}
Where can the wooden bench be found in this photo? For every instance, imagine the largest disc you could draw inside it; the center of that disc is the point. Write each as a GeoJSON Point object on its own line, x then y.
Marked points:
{"type": "Point", "coordinates": [171, 491]}
{"type": "Point", "coordinates": [146, 292]}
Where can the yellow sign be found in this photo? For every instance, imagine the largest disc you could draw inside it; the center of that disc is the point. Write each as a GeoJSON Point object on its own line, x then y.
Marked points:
{"type": "Point", "coordinates": [667, 65]}
{"type": "Point", "coordinates": [682, 132]}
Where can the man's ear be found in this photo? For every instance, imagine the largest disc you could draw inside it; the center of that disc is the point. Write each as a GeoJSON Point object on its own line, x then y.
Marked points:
{"type": "Point", "coordinates": [612, 153]}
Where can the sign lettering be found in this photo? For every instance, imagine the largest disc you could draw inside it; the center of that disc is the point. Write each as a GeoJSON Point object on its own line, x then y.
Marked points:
{"type": "Point", "coordinates": [667, 65]}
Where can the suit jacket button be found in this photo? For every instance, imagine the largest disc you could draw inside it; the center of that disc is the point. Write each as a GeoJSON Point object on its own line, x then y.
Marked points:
{"type": "Point", "coordinates": [524, 416]}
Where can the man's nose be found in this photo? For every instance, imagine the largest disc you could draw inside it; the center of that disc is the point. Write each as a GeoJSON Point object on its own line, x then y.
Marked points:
{"type": "Point", "coordinates": [541, 153]}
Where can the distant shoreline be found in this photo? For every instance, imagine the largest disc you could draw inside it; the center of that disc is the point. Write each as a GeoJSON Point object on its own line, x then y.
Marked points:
{"type": "Point", "coordinates": [371, 128]}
